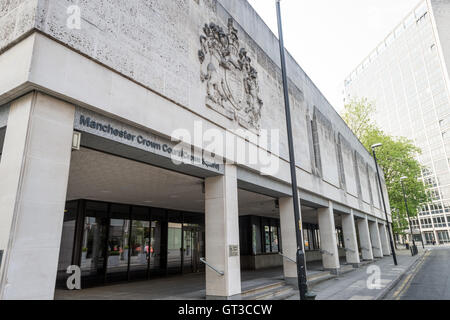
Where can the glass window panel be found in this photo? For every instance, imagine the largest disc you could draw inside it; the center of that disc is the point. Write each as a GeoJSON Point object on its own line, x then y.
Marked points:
{"type": "Point", "coordinates": [140, 248]}
{"type": "Point", "coordinates": [306, 239]}
{"type": "Point", "coordinates": [174, 247]}
{"type": "Point", "coordinates": [256, 236]}
{"type": "Point", "coordinates": [93, 241]}
{"type": "Point", "coordinates": [118, 247]}
{"type": "Point", "coordinates": [275, 245]}
{"type": "Point", "coordinates": [67, 238]}
{"type": "Point", "coordinates": [267, 239]}
{"type": "Point", "coordinates": [191, 248]}
{"type": "Point", "coordinates": [155, 247]}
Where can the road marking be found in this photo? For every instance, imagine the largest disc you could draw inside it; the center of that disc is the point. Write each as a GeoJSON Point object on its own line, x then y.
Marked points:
{"type": "Point", "coordinates": [407, 282]}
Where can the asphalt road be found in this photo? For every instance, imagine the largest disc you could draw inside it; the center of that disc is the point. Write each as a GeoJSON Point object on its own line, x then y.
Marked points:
{"type": "Point", "coordinates": [430, 280]}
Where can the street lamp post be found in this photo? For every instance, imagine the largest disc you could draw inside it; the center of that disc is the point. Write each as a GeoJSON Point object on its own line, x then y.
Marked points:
{"type": "Point", "coordinates": [301, 268]}
{"type": "Point", "coordinates": [394, 255]}
{"type": "Point", "coordinates": [421, 233]}
{"type": "Point", "coordinates": [414, 248]}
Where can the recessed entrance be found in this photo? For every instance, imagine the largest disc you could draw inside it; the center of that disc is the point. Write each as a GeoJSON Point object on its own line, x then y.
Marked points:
{"type": "Point", "coordinates": [116, 242]}
{"type": "Point", "coordinates": [127, 220]}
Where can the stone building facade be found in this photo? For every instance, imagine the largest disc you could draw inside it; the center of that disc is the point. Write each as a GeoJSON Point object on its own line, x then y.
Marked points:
{"type": "Point", "coordinates": [130, 78]}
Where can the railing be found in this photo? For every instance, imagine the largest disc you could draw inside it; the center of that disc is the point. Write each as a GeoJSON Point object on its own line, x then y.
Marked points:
{"type": "Point", "coordinates": [326, 252]}
{"type": "Point", "coordinates": [292, 260]}
{"type": "Point", "coordinates": [212, 268]}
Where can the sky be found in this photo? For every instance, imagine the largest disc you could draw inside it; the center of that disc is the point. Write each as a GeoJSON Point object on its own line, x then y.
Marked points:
{"type": "Point", "coordinates": [329, 38]}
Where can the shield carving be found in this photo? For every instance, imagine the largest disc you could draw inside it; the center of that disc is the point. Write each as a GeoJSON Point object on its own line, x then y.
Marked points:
{"type": "Point", "coordinates": [234, 81]}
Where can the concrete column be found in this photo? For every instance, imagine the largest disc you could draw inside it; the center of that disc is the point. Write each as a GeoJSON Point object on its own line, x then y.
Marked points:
{"type": "Point", "coordinates": [385, 245]}
{"type": "Point", "coordinates": [289, 239]}
{"type": "Point", "coordinates": [375, 238]}
{"type": "Point", "coordinates": [436, 238]}
{"type": "Point", "coordinates": [34, 174]}
{"type": "Point", "coordinates": [222, 233]}
{"type": "Point", "coordinates": [351, 243]}
{"type": "Point", "coordinates": [364, 239]}
{"type": "Point", "coordinates": [328, 241]}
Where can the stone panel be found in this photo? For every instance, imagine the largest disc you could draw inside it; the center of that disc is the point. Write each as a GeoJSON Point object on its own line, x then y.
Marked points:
{"type": "Point", "coordinates": [17, 17]}
{"type": "Point", "coordinates": [329, 158]}
{"type": "Point", "coordinates": [349, 168]}
{"type": "Point", "coordinates": [364, 179]}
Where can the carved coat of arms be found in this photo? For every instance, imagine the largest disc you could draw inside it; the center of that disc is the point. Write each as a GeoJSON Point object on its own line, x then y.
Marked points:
{"type": "Point", "coordinates": [231, 81]}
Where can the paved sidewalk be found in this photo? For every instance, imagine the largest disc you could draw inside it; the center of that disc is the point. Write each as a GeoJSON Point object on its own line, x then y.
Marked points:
{"type": "Point", "coordinates": [354, 285]}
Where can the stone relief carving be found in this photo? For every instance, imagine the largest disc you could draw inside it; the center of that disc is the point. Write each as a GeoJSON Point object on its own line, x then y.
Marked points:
{"type": "Point", "coordinates": [232, 86]}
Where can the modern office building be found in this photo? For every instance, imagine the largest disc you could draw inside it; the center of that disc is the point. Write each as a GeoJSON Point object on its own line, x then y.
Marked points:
{"type": "Point", "coordinates": [407, 77]}
{"type": "Point", "coordinates": [144, 138]}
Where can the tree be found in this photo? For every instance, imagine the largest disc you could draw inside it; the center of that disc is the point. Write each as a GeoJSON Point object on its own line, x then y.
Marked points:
{"type": "Point", "coordinates": [397, 158]}
{"type": "Point", "coordinates": [358, 116]}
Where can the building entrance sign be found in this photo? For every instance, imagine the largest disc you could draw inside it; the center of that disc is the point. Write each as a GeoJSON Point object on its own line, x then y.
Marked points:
{"type": "Point", "coordinates": [101, 126]}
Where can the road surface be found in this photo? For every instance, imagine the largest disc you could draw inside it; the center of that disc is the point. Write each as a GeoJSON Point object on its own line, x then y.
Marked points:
{"type": "Point", "coordinates": [429, 280]}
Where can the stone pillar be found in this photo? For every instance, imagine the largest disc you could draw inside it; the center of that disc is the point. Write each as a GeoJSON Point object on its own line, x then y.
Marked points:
{"type": "Point", "coordinates": [375, 238]}
{"type": "Point", "coordinates": [328, 241]}
{"type": "Point", "coordinates": [289, 239]}
{"type": "Point", "coordinates": [364, 239]}
{"type": "Point", "coordinates": [34, 173]}
{"type": "Point", "coordinates": [351, 243]}
{"type": "Point", "coordinates": [222, 233]}
{"type": "Point", "coordinates": [385, 245]}
{"type": "Point", "coordinates": [436, 238]}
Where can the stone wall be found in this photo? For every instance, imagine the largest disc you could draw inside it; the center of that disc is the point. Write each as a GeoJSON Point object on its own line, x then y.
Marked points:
{"type": "Point", "coordinates": [17, 18]}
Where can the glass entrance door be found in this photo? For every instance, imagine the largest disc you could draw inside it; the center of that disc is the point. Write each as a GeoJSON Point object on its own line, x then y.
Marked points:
{"type": "Point", "coordinates": [174, 247]}
{"type": "Point", "coordinates": [115, 242]}
{"type": "Point", "coordinates": [429, 237]}
{"type": "Point", "coordinates": [191, 249]}
{"type": "Point", "coordinates": [93, 242]}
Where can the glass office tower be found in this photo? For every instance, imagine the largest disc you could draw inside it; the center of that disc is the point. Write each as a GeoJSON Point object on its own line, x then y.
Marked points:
{"type": "Point", "coordinates": [407, 77]}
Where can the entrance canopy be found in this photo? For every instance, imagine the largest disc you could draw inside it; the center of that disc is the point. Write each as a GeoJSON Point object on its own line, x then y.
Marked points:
{"type": "Point", "coordinates": [100, 176]}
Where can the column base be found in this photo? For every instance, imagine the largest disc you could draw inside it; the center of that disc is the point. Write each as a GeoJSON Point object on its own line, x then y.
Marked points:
{"type": "Point", "coordinates": [356, 265]}
{"type": "Point", "coordinates": [333, 271]}
{"type": "Point", "coordinates": [292, 281]}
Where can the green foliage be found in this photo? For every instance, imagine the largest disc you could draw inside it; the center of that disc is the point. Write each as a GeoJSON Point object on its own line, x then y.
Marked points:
{"type": "Point", "coordinates": [357, 114]}
{"type": "Point", "coordinates": [397, 158]}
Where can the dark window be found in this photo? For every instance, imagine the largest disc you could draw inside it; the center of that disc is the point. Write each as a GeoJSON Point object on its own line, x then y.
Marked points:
{"type": "Point", "coordinates": [67, 237]}
{"type": "Point", "coordinates": [316, 146]}
{"type": "Point", "coordinates": [311, 237]}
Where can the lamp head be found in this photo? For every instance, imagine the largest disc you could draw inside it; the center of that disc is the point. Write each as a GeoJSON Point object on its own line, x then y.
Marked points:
{"type": "Point", "coordinates": [376, 146]}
